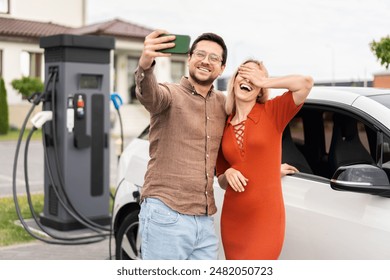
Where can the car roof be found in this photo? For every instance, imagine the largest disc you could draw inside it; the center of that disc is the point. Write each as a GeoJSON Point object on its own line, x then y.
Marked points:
{"type": "Point", "coordinates": [346, 95]}
{"type": "Point", "coordinates": [373, 102]}
{"type": "Point", "coordinates": [357, 91]}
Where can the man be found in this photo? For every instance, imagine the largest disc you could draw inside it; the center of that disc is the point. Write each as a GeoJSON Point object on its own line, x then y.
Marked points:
{"type": "Point", "coordinates": [186, 126]}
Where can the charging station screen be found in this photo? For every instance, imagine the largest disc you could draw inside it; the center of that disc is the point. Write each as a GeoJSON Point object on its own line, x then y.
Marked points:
{"type": "Point", "coordinates": [87, 81]}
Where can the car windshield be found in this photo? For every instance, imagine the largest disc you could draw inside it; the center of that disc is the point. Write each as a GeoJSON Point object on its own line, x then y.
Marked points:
{"type": "Point", "coordinates": [384, 99]}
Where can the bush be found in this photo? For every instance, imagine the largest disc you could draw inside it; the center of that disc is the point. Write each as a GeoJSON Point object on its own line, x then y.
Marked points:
{"type": "Point", "coordinates": [4, 118]}
{"type": "Point", "coordinates": [381, 49]}
{"type": "Point", "coordinates": [27, 86]}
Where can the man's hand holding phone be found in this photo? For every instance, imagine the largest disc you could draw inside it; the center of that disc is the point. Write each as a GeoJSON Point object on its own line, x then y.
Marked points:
{"type": "Point", "coordinates": [182, 44]}
{"type": "Point", "coordinates": [152, 46]}
{"type": "Point", "coordinates": [160, 43]}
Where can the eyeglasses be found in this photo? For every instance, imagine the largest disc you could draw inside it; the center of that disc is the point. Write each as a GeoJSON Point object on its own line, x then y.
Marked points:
{"type": "Point", "coordinates": [213, 58]}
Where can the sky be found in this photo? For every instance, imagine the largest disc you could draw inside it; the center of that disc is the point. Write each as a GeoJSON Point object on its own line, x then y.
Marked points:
{"type": "Point", "coordinates": [327, 39]}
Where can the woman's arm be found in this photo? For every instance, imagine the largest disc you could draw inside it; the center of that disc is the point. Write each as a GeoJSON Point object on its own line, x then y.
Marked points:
{"type": "Point", "coordinates": [299, 85]}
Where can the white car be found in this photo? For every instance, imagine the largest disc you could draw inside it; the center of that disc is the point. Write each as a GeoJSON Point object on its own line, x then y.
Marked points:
{"type": "Point", "coordinates": [337, 206]}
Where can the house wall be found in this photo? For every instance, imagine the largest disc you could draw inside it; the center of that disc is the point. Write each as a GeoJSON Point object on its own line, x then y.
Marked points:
{"type": "Point", "coordinates": [12, 65]}
{"type": "Point", "coordinates": [382, 80]}
{"type": "Point", "coordinates": [70, 12]}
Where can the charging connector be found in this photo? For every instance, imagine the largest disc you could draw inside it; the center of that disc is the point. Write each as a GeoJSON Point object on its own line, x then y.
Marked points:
{"type": "Point", "coordinates": [70, 115]}
{"type": "Point", "coordinates": [41, 118]}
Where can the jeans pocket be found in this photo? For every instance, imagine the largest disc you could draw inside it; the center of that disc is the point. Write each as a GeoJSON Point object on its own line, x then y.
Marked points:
{"type": "Point", "coordinates": [163, 215]}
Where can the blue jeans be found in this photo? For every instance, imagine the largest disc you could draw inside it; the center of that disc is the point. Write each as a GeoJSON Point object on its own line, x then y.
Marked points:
{"type": "Point", "coordinates": [169, 235]}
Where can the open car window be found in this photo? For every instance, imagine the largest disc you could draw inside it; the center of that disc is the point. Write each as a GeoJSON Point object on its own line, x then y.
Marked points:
{"type": "Point", "coordinates": [319, 140]}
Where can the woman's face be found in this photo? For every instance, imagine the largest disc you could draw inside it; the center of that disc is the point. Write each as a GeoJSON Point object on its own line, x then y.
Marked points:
{"type": "Point", "coordinates": [244, 89]}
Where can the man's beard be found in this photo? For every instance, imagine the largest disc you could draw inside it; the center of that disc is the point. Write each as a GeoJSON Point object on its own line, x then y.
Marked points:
{"type": "Point", "coordinates": [207, 82]}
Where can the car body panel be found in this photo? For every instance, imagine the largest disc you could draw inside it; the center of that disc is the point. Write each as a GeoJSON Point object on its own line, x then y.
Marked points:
{"type": "Point", "coordinates": [321, 222]}
{"type": "Point", "coordinates": [133, 168]}
{"type": "Point", "coordinates": [336, 96]}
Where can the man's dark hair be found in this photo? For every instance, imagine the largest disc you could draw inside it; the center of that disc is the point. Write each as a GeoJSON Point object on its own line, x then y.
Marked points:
{"type": "Point", "coordinates": [214, 38]}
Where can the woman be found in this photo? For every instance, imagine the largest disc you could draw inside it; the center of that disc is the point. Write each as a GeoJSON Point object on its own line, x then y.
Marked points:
{"type": "Point", "coordinates": [249, 162]}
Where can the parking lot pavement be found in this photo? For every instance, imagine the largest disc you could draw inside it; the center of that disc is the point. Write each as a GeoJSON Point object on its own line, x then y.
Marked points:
{"type": "Point", "coordinates": [135, 118]}
{"type": "Point", "coordinates": [38, 250]}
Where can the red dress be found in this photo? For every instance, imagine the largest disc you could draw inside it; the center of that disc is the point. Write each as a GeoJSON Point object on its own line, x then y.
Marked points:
{"type": "Point", "coordinates": [253, 221]}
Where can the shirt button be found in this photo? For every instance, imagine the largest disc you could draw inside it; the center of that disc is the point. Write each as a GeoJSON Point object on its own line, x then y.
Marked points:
{"type": "Point", "coordinates": [142, 75]}
{"type": "Point", "coordinates": [208, 117]}
{"type": "Point", "coordinates": [207, 155]}
{"type": "Point", "coordinates": [206, 192]}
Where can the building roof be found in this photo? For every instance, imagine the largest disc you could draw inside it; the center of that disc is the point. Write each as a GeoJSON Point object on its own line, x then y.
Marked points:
{"type": "Point", "coordinates": [20, 29]}
{"type": "Point", "coordinates": [382, 73]}
{"type": "Point", "coordinates": [10, 27]}
{"type": "Point", "coordinates": [115, 27]}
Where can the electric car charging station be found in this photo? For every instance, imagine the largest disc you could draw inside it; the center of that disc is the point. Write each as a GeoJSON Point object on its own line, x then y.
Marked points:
{"type": "Point", "coordinates": [77, 142]}
{"type": "Point", "coordinates": [75, 122]}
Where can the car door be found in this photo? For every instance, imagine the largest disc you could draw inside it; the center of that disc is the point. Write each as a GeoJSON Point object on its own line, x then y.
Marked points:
{"type": "Point", "coordinates": [323, 223]}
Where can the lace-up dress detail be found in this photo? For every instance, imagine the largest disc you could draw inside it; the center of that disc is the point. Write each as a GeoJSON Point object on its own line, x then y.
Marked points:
{"type": "Point", "coordinates": [239, 130]}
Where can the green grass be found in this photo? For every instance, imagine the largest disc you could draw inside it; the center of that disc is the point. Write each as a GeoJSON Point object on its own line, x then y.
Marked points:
{"type": "Point", "coordinates": [10, 233]}
{"type": "Point", "coordinates": [13, 135]}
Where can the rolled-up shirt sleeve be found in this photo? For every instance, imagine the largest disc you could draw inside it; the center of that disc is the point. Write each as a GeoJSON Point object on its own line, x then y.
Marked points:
{"type": "Point", "coordinates": [154, 96]}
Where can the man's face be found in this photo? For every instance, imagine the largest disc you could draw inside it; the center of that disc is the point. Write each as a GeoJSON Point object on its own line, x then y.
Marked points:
{"type": "Point", "coordinates": [205, 63]}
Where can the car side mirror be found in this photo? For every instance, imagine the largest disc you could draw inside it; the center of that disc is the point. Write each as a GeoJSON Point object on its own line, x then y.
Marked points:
{"type": "Point", "coordinates": [361, 178]}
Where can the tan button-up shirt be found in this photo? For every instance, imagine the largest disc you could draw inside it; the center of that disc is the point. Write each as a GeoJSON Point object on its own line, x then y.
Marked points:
{"type": "Point", "coordinates": [185, 133]}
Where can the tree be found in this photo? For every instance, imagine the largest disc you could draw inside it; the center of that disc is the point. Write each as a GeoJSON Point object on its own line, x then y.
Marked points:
{"type": "Point", "coordinates": [4, 118]}
{"type": "Point", "coordinates": [382, 50]}
{"type": "Point", "coordinates": [27, 85]}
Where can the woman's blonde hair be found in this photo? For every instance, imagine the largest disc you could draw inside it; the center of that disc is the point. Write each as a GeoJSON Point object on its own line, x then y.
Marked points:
{"type": "Point", "coordinates": [230, 105]}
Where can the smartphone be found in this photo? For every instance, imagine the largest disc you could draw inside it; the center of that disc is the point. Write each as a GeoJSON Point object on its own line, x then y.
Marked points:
{"type": "Point", "coordinates": [182, 44]}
